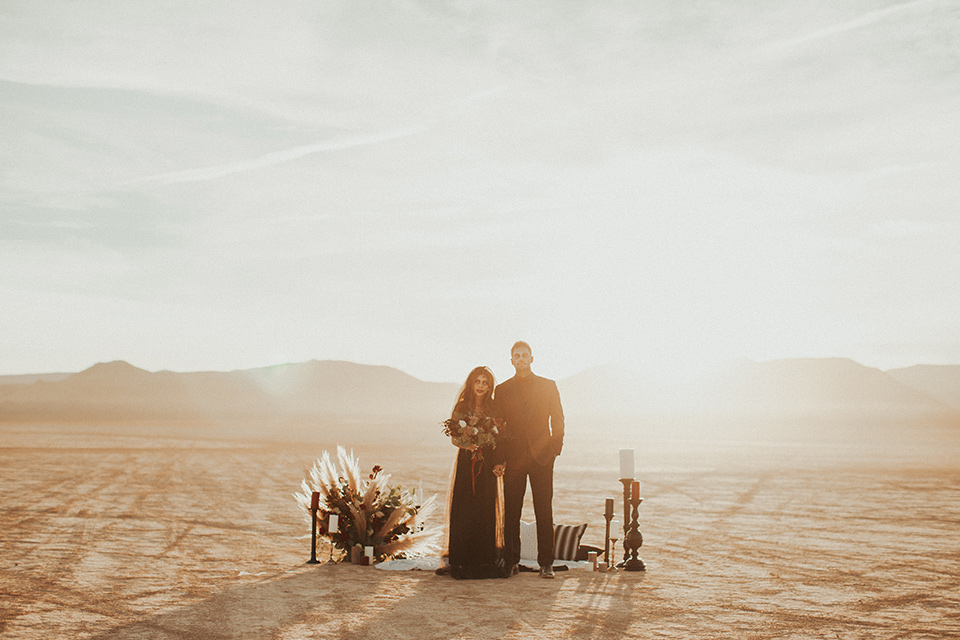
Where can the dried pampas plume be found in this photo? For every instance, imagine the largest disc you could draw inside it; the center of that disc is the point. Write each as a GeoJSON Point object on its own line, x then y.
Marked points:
{"type": "Point", "coordinates": [372, 513]}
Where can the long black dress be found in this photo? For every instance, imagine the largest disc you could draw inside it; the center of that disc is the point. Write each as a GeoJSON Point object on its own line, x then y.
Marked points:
{"type": "Point", "coordinates": [473, 550]}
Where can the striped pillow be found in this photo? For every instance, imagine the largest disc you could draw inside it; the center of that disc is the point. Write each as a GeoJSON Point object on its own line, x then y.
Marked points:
{"type": "Point", "coordinates": [566, 539]}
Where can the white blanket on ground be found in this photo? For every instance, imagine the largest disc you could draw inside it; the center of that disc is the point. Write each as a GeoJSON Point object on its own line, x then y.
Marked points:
{"type": "Point", "coordinates": [410, 564]}
{"type": "Point", "coordinates": [432, 564]}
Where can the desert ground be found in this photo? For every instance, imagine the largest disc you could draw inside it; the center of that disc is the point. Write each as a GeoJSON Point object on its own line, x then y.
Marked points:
{"type": "Point", "coordinates": [192, 533]}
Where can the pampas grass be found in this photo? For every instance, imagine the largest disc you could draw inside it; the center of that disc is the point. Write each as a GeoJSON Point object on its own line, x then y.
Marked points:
{"type": "Point", "coordinates": [371, 512]}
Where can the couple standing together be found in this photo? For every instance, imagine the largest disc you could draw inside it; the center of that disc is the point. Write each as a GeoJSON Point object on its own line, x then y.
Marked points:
{"type": "Point", "coordinates": [486, 504]}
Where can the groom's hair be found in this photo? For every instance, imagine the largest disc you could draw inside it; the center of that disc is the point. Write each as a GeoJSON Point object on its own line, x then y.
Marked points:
{"type": "Point", "coordinates": [522, 344]}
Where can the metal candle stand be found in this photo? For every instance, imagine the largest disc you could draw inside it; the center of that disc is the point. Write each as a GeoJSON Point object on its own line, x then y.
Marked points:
{"type": "Point", "coordinates": [606, 541]}
{"type": "Point", "coordinates": [632, 538]}
{"type": "Point", "coordinates": [314, 507]}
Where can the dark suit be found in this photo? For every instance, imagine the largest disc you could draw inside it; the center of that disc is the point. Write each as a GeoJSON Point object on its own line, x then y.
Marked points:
{"type": "Point", "coordinates": [531, 408]}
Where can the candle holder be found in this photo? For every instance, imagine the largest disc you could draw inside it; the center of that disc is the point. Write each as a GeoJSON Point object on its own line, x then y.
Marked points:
{"type": "Point", "coordinates": [313, 536]}
{"type": "Point", "coordinates": [606, 539]}
{"type": "Point", "coordinates": [333, 530]}
{"type": "Point", "coordinates": [330, 560]}
{"type": "Point", "coordinates": [627, 482]}
{"type": "Point", "coordinates": [633, 539]}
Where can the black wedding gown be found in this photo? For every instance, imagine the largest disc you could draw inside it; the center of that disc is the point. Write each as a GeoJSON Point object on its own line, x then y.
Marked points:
{"type": "Point", "coordinates": [473, 550]}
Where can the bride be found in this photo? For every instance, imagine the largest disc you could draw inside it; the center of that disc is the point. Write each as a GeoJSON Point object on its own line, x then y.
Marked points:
{"type": "Point", "coordinates": [475, 508]}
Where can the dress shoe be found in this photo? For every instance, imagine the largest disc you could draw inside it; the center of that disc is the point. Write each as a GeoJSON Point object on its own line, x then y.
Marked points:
{"type": "Point", "coordinates": [546, 572]}
{"type": "Point", "coordinates": [515, 570]}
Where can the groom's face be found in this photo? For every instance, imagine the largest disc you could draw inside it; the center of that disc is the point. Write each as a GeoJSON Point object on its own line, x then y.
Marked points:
{"type": "Point", "coordinates": [521, 359]}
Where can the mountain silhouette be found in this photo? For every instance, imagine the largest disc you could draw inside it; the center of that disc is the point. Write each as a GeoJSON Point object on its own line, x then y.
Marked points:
{"type": "Point", "coordinates": [336, 387]}
{"type": "Point", "coordinates": [324, 389]}
{"type": "Point", "coordinates": [937, 381]}
{"type": "Point", "coordinates": [120, 391]}
{"type": "Point", "coordinates": [117, 391]}
{"type": "Point", "coordinates": [792, 386]}
{"type": "Point", "coordinates": [815, 385]}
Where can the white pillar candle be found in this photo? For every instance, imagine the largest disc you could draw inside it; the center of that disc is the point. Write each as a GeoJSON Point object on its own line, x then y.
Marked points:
{"type": "Point", "coordinates": [334, 523]}
{"type": "Point", "coordinates": [626, 464]}
{"type": "Point", "coordinates": [368, 551]}
{"type": "Point", "coordinates": [420, 494]}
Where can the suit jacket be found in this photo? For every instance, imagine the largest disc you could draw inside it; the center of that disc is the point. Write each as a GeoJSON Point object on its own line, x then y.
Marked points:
{"type": "Point", "coordinates": [531, 408]}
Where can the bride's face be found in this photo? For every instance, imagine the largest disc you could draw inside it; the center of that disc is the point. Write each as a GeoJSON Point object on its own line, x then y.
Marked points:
{"type": "Point", "coordinates": [481, 386]}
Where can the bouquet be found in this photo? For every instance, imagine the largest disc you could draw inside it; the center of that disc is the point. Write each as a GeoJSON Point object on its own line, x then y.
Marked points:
{"type": "Point", "coordinates": [469, 431]}
{"type": "Point", "coordinates": [370, 511]}
{"type": "Point", "coordinates": [474, 433]}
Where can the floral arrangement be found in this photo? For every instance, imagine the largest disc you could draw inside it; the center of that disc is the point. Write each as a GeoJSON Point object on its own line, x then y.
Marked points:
{"type": "Point", "coordinates": [370, 511]}
{"type": "Point", "coordinates": [474, 433]}
{"type": "Point", "coordinates": [468, 430]}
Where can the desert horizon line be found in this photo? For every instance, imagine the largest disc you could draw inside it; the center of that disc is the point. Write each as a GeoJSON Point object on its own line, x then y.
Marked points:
{"type": "Point", "coordinates": [639, 371]}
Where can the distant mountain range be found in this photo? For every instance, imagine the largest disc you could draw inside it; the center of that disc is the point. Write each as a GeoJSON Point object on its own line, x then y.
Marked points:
{"type": "Point", "coordinates": [118, 391]}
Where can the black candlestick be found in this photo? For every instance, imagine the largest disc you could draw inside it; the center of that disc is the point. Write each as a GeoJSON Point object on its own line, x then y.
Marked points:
{"type": "Point", "coordinates": [626, 517]}
{"type": "Point", "coordinates": [313, 537]}
{"type": "Point", "coordinates": [606, 539]}
{"type": "Point", "coordinates": [633, 539]}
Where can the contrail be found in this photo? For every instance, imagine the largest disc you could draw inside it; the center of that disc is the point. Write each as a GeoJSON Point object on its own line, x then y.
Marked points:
{"type": "Point", "coordinates": [270, 159]}
{"type": "Point", "coordinates": [857, 23]}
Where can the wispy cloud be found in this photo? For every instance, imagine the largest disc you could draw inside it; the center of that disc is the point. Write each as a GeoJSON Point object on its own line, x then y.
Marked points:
{"type": "Point", "coordinates": [865, 20]}
{"type": "Point", "coordinates": [907, 228]}
{"type": "Point", "coordinates": [480, 96]}
{"type": "Point", "coordinates": [273, 158]}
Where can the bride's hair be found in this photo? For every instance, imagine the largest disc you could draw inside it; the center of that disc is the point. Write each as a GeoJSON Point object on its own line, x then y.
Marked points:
{"type": "Point", "coordinates": [466, 391]}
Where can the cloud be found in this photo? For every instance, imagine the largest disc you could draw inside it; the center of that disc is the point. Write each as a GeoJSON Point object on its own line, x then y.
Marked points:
{"type": "Point", "coordinates": [591, 176]}
{"type": "Point", "coordinates": [865, 20]}
{"type": "Point", "coordinates": [906, 228]}
{"type": "Point", "coordinates": [271, 159]}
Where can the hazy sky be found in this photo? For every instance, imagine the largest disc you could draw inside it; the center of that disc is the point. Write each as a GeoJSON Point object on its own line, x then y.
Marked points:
{"type": "Point", "coordinates": [417, 183]}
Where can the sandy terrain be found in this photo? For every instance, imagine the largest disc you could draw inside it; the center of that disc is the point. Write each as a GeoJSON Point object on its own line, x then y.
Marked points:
{"type": "Point", "coordinates": [176, 533]}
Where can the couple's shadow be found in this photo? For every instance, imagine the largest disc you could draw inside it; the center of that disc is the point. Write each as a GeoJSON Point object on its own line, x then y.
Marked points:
{"type": "Point", "coordinates": [346, 600]}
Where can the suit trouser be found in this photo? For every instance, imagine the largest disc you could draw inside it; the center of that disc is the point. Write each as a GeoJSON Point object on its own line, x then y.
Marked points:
{"type": "Point", "coordinates": [514, 489]}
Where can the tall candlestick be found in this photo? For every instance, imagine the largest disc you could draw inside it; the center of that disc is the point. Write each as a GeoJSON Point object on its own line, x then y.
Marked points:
{"type": "Point", "coordinates": [626, 482]}
{"type": "Point", "coordinates": [607, 515]}
{"type": "Point", "coordinates": [333, 528]}
{"type": "Point", "coordinates": [632, 538]}
{"type": "Point", "coordinates": [314, 507]}
{"type": "Point", "coordinates": [626, 463]}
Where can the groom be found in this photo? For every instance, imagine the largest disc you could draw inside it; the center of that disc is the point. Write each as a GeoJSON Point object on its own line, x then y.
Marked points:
{"type": "Point", "coordinates": [530, 405]}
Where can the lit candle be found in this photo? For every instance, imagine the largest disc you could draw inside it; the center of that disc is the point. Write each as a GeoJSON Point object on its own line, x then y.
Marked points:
{"type": "Point", "coordinates": [626, 463]}
{"type": "Point", "coordinates": [608, 510]}
{"type": "Point", "coordinates": [315, 500]}
{"type": "Point", "coordinates": [334, 523]}
{"type": "Point", "coordinates": [635, 494]}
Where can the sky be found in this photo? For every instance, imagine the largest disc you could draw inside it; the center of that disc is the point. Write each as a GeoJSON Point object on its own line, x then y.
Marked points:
{"type": "Point", "coordinates": [419, 183]}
